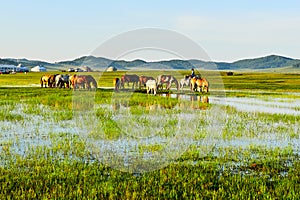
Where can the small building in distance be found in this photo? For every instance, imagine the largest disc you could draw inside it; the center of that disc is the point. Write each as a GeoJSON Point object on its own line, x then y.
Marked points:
{"type": "Point", "coordinates": [80, 69]}
{"type": "Point", "coordinates": [38, 68]}
{"type": "Point", "coordinates": [111, 69]}
{"type": "Point", "coordinates": [86, 69]}
{"type": "Point", "coordinates": [13, 68]}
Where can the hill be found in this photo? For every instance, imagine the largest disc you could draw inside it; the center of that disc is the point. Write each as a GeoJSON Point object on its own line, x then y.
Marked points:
{"type": "Point", "coordinates": [99, 63]}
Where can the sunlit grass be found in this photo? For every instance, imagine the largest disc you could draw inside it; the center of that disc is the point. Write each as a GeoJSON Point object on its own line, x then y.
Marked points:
{"type": "Point", "coordinates": [43, 155]}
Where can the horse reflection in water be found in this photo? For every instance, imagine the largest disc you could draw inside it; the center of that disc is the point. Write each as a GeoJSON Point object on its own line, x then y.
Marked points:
{"type": "Point", "coordinates": [190, 102]}
{"type": "Point", "coordinates": [199, 102]}
{"type": "Point", "coordinates": [194, 102]}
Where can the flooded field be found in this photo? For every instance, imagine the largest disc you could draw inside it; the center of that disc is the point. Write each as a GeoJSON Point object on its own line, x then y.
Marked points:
{"type": "Point", "coordinates": [126, 133]}
{"type": "Point", "coordinates": [245, 143]}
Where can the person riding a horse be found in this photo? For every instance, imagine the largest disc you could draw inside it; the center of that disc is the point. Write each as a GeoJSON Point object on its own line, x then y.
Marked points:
{"type": "Point", "coordinates": [193, 73]}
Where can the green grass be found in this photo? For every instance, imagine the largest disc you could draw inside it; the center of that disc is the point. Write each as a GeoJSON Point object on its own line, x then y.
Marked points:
{"type": "Point", "coordinates": [68, 169]}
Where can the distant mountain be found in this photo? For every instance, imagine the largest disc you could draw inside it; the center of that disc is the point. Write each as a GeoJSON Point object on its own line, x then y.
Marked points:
{"type": "Point", "coordinates": [29, 63]}
{"type": "Point", "coordinates": [272, 61]}
{"type": "Point", "coordinates": [99, 63]}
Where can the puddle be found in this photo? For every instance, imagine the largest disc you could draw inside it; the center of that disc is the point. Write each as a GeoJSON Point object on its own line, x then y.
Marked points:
{"type": "Point", "coordinates": [271, 106]}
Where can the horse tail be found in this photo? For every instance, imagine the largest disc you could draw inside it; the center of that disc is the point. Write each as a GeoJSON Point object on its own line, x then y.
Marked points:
{"type": "Point", "coordinates": [94, 83]}
{"type": "Point", "coordinates": [205, 84]}
{"type": "Point", "coordinates": [41, 81]}
{"type": "Point", "coordinates": [49, 82]}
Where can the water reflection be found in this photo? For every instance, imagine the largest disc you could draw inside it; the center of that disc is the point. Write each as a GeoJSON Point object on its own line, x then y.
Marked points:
{"type": "Point", "coordinates": [171, 101]}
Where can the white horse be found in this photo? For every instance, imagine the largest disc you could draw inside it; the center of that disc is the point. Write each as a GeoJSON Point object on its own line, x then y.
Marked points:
{"type": "Point", "coordinates": [186, 81]}
{"type": "Point", "coordinates": [151, 86]}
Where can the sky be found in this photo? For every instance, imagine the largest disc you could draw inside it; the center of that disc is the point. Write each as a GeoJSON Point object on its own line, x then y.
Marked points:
{"type": "Point", "coordinates": [227, 31]}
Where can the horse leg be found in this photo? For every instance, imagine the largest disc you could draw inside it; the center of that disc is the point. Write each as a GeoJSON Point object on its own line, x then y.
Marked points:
{"type": "Point", "coordinates": [168, 86]}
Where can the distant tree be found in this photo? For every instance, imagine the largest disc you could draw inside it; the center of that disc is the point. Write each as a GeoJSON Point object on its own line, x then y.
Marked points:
{"type": "Point", "coordinates": [296, 65]}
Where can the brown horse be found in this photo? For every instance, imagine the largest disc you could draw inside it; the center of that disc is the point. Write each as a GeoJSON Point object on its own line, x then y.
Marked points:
{"type": "Point", "coordinates": [205, 85]}
{"type": "Point", "coordinates": [130, 78]}
{"type": "Point", "coordinates": [83, 81]}
{"type": "Point", "coordinates": [193, 83]}
{"type": "Point", "coordinates": [48, 80]}
{"type": "Point", "coordinates": [168, 80]}
{"type": "Point", "coordinates": [117, 83]}
{"type": "Point", "coordinates": [199, 84]}
{"type": "Point", "coordinates": [77, 81]}
{"type": "Point", "coordinates": [90, 82]}
{"type": "Point", "coordinates": [144, 79]}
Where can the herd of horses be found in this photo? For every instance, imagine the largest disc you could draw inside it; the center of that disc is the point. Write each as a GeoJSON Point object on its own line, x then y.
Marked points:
{"type": "Point", "coordinates": [195, 83]}
{"type": "Point", "coordinates": [68, 81]}
{"type": "Point", "coordinates": [151, 84]}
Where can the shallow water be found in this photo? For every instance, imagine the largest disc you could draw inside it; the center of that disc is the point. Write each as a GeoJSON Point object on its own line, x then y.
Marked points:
{"type": "Point", "coordinates": [271, 106]}
{"type": "Point", "coordinates": [35, 130]}
{"type": "Point", "coordinates": [247, 104]}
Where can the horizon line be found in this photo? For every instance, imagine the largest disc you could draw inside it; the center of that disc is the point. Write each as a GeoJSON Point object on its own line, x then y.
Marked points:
{"type": "Point", "coordinates": [149, 61]}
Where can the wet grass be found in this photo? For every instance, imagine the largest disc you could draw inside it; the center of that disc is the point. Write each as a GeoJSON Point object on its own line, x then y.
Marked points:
{"type": "Point", "coordinates": [256, 156]}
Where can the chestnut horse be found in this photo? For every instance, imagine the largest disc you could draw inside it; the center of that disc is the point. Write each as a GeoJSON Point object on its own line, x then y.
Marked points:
{"type": "Point", "coordinates": [130, 78]}
{"type": "Point", "coordinates": [144, 79]}
{"type": "Point", "coordinates": [168, 80]}
{"type": "Point", "coordinates": [48, 80]}
{"type": "Point", "coordinates": [83, 81]}
{"type": "Point", "coordinates": [199, 84]}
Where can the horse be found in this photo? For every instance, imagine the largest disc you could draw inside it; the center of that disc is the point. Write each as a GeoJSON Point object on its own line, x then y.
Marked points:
{"type": "Point", "coordinates": [186, 81]}
{"type": "Point", "coordinates": [151, 86]}
{"type": "Point", "coordinates": [199, 84]}
{"type": "Point", "coordinates": [90, 82]}
{"type": "Point", "coordinates": [83, 81]}
{"type": "Point", "coordinates": [62, 81]}
{"type": "Point", "coordinates": [193, 84]}
{"type": "Point", "coordinates": [130, 78]}
{"type": "Point", "coordinates": [204, 85]}
{"type": "Point", "coordinates": [144, 79]}
{"type": "Point", "coordinates": [77, 81]}
{"type": "Point", "coordinates": [48, 80]}
{"type": "Point", "coordinates": [168, 80]}
{"type": "Point", "coordinates": [116, 83]}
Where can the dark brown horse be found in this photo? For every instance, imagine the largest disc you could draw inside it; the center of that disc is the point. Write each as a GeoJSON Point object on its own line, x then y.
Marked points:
{"type": "Point", "coordinates": [90, 82]}
{"type": "Point", "coordinates": [168, 80]}
{"type": "Point", "coordinates": [130, 78]}
{"type": "Point", "coordinates": [144, 79]}
{"type": "Point", "coordinates": [116, 83]}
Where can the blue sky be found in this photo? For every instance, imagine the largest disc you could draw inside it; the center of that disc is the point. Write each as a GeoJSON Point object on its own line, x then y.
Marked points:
{"type": "Point", "coordinates": [227, 30]}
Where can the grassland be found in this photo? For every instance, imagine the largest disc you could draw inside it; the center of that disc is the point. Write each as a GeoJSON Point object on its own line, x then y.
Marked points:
{"type": "Point", "coordinates": [255, 156]}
